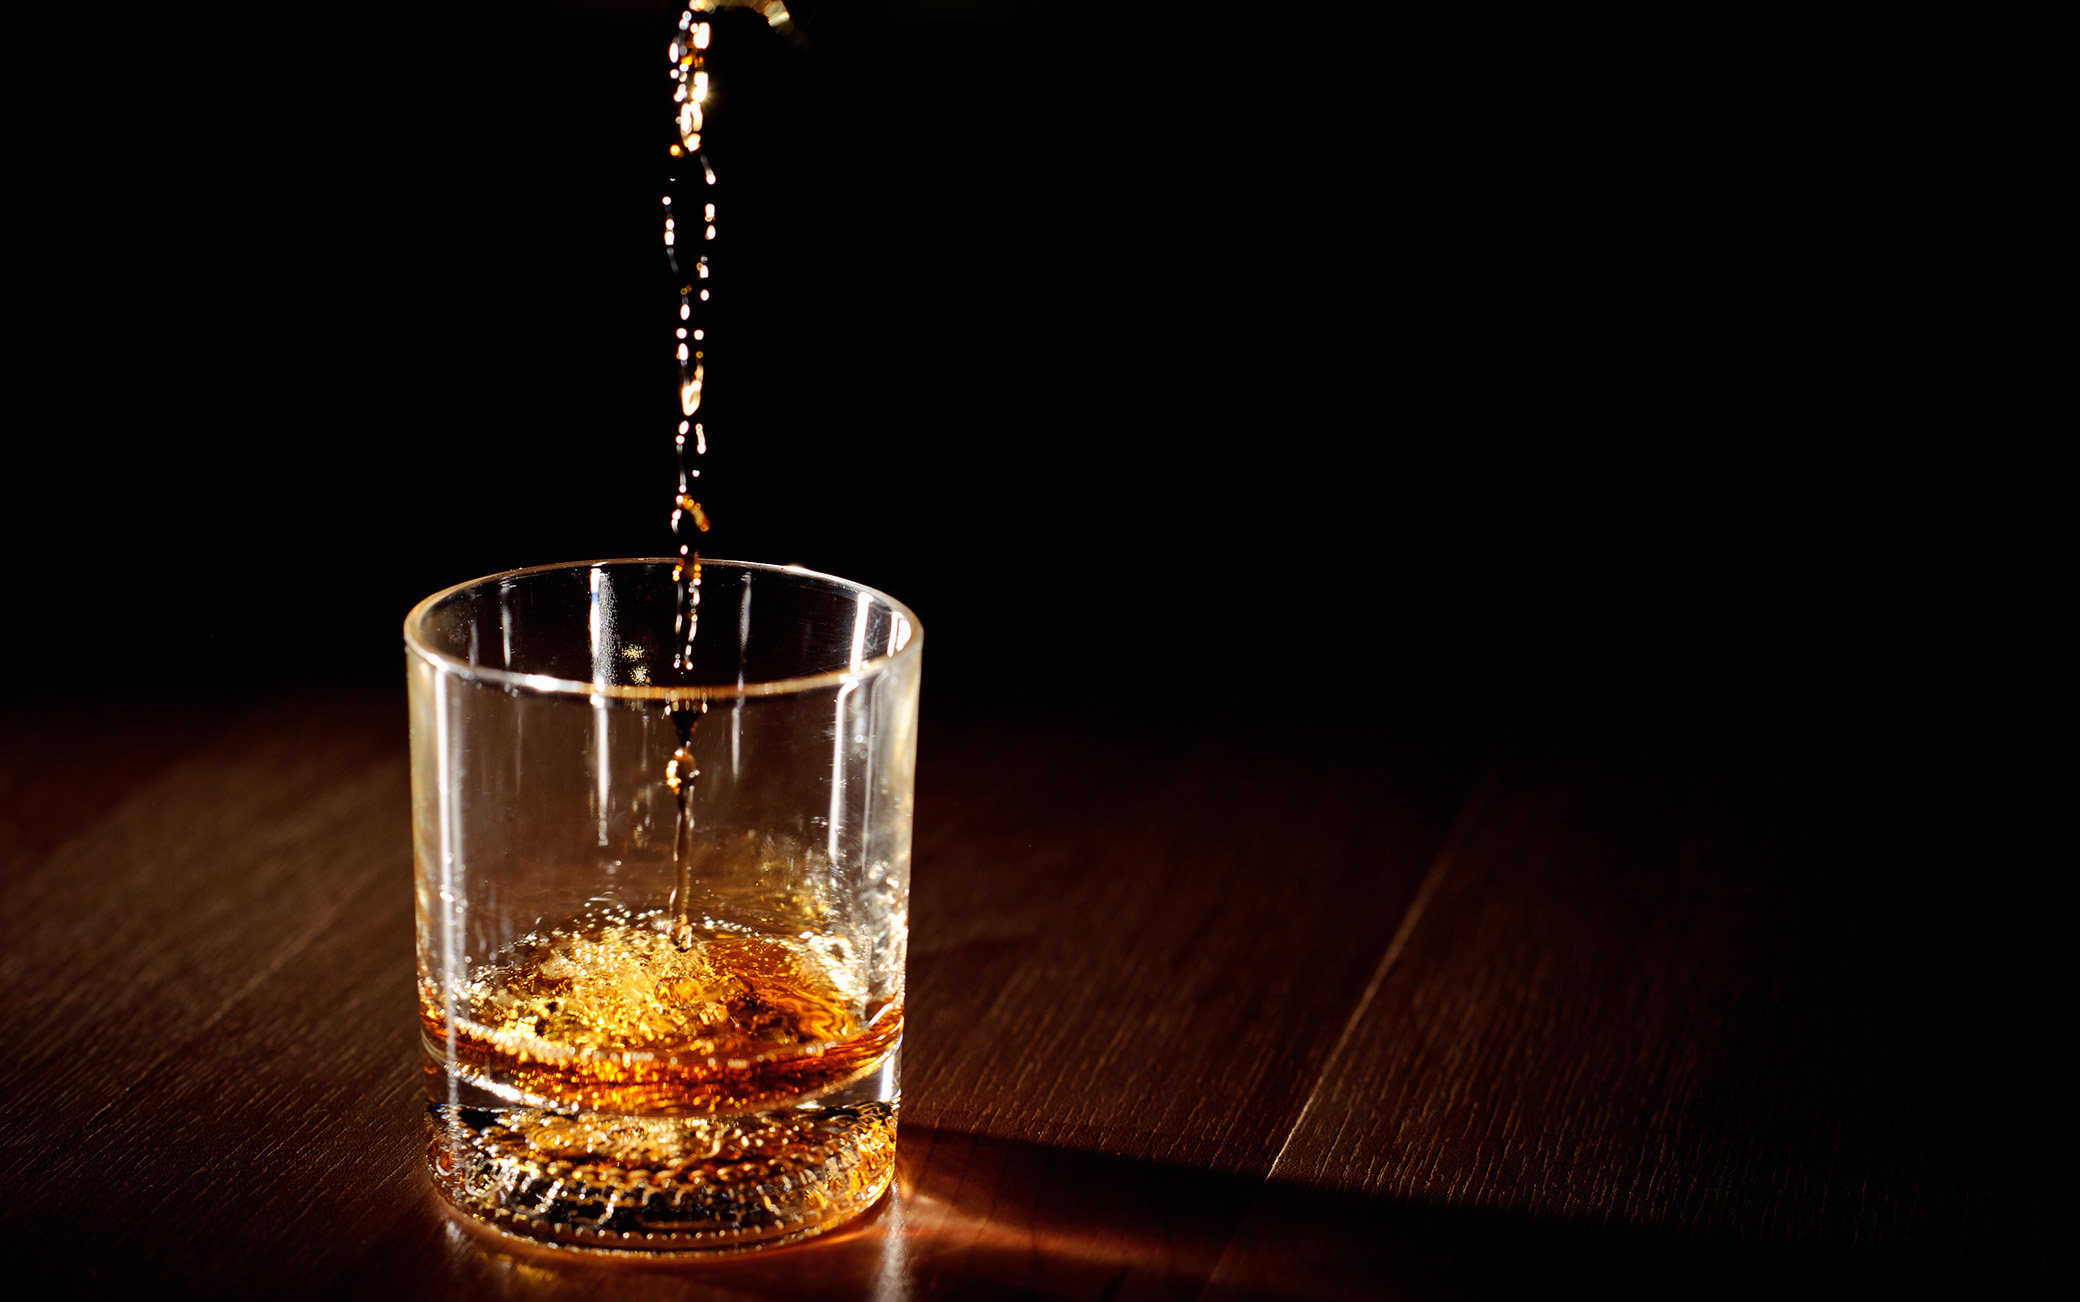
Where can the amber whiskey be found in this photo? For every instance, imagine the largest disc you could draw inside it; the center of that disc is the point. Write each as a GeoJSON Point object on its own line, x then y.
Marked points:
{"type": "Point", "coordinates": [643, 1092]}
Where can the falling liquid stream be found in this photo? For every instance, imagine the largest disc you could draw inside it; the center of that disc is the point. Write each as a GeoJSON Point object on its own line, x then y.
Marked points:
{"type": "Point", "coordinates": [689, 519]}
{"type": "Point", "coordinates": [593, 1163]}
{"type": "Point", "coordinates": [688, 53]}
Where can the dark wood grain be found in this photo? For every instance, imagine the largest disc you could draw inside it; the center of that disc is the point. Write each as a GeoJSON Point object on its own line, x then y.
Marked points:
{"type": "Point", "coordinates": [59, 768]}
{"type": "Point", "coordinates": [1131, 939]}
{"type": "Point", "coordinates": [1142, 938]}
{"type": "Point", "coordinates": [1213, 1006]}
{"type": "Point", "coordinates": [1635, 1002]}
{"type": "Point", "coordinates": [213, 1014]}
{"type": "Point", "coordinates": [971, 1217]}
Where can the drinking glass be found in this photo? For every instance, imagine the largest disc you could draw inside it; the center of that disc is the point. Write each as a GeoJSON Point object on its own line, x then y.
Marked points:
{"type": "Point", "coordinates": [663, 891]}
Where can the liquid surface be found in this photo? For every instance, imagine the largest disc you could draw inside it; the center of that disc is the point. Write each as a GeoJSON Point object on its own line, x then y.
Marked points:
{"type": "Point", "coordinates": [615, 1017]}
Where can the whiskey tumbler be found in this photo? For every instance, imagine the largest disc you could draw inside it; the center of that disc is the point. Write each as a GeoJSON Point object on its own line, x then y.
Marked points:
{"type": "Point", "coordinates": [662, 845]}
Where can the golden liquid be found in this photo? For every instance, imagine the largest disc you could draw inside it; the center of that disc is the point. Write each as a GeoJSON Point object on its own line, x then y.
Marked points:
{"type": "Point", "coordinates": [662, 1090]}
{"type": "Point", "coordinates": [617, 1018]}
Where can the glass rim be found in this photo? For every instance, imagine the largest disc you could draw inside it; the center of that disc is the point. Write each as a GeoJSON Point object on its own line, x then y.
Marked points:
{"type": "Point", "coordinates": [549, 685]}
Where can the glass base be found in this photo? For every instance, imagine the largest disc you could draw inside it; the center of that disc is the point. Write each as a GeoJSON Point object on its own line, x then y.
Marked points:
{"type": "Point", "coordinates": [665, 1184]}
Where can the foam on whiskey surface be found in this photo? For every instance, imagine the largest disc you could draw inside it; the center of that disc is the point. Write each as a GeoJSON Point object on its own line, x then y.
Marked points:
{"type": "Point", "coordinates": [630, 987]}
{"type": "Point", "coordinates": [616, 1017]}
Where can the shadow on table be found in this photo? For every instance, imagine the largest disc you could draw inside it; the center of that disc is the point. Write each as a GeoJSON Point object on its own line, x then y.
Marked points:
{"type": "Point", "coordinates": [977, 1217]}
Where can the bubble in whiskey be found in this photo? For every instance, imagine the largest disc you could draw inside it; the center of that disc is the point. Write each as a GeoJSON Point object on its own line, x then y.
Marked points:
{"type": "Point", "coordinates": [619, 1017]}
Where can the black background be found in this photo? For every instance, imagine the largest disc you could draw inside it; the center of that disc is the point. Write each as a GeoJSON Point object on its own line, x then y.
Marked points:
{"type": "Point", "coordinates": [1684, 381]}
{"type": "Point", "coordinates": [1658, 379]}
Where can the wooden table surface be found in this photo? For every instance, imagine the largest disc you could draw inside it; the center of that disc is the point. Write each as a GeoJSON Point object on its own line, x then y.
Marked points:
{"type": "Point", "coordinates": [1228, 1007]}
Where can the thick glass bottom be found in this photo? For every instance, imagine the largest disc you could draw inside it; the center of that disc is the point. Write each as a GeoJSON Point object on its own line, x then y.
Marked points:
{"type": "Point", "coordinates": [663, 1184]}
